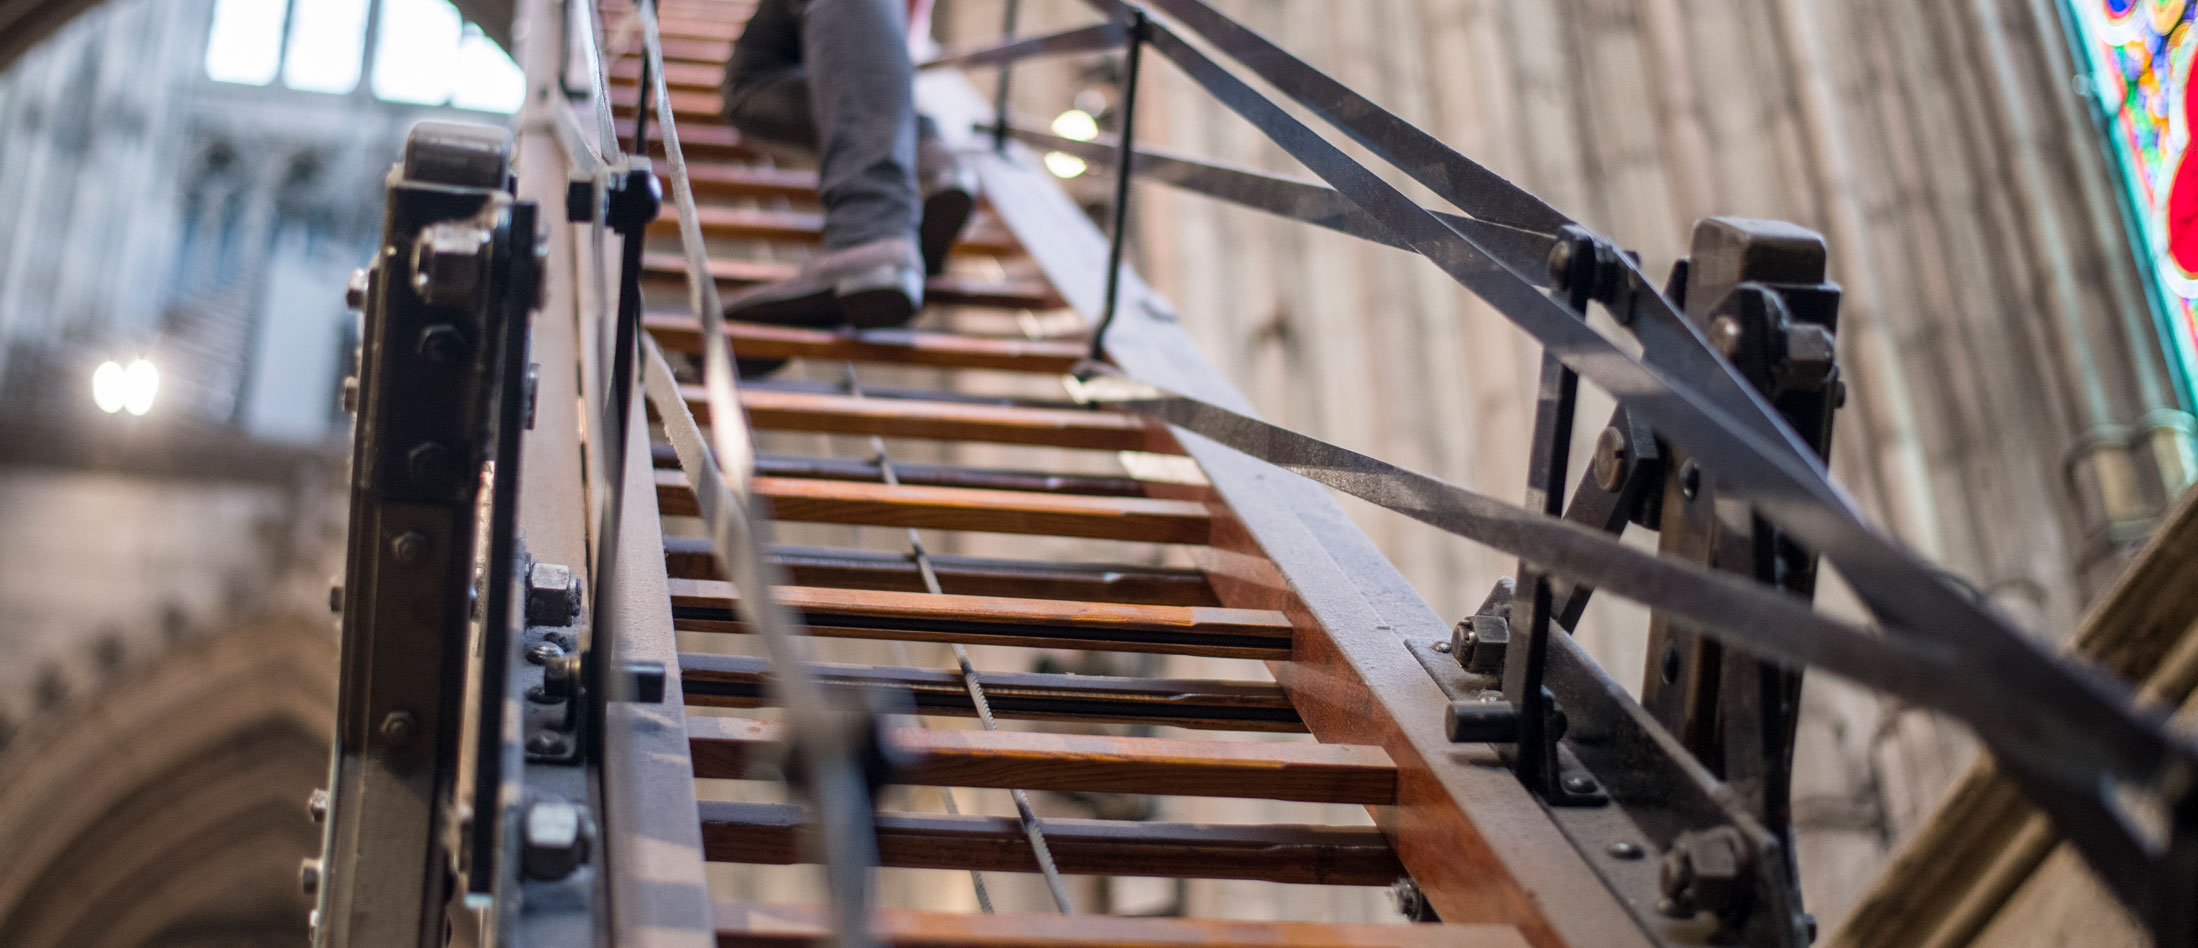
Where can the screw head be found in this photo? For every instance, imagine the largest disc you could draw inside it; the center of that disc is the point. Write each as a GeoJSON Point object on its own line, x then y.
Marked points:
{"type": "Point", "coordinates": [335, 597]}
{"type": "Point", "coordinates": [543, 653]}
{"type": "Point", "coordinates": [430, 465]}
{"type": "Point", "coordinates": [316, 806]}
{"type": "Point", "coordinates": [1612, 452]}
{"type": "Point", "coordinates": [309, 876]}
{"type": "Point", "coordinates": [350, 394]}
{"type": "Point", "coordinates": [398, 728]}
{"type": "Point", "coordinates": [409, 547]}
{"type": "Point", "coordinates": [1725, 335]}
{"type": "Point", "coordinates": [1560, 263]}
{"type": "Point", "coordinates": [1443, 647]}
{"type": "Point", "coordinates": [1690, 479]}
{"type": "Point", "coordinates": [442, 344]}
{"type": "Point", "coordinates": [1578, 783]}
{"type": "Point", "coordinates": [553, 839]}
{"type": "Point", "coordinates": [1626, 849]}
{"type": "Point", "coordinates": [547, 744]}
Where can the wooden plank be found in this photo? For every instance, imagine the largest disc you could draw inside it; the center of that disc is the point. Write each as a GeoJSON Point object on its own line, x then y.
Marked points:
{"type": "Point", "coordinates": [1137, 519]}
{"type": "Point", "coordinates": [940, 475]}
{"type": "Point", "coordinates": [680, 332]}
{"type": "Point", "coordinates": [692, 77]}
{"type": "Point", "coordinates": [703, 605]}
{"type": "Point", "coordinates": [751, 925]}
{"type": "Point", "coordinates": [770, 410]}
{"type": "Point", "coordinates": [718, 179]}
{"type": "Point", "coordinates": [946, 290]}
{"type": "Point", "coordinates": [982, 237]}
{"type": "Point", "coordinates": [735, 681]}
{"type": "Point", "coordinates": [730, 748]}
{"type": "Point", "coordinates": [692, 558]}
{"type": "Point", "coordinates": [773, 834]}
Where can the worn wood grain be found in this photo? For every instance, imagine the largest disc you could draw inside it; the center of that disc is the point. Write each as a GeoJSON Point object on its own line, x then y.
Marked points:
{"type": "Point", "coordinates": [751, 925]}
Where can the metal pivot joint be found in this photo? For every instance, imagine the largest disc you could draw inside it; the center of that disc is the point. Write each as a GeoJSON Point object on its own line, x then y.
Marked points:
{"type": "Point", "coordinates": [439, 394]}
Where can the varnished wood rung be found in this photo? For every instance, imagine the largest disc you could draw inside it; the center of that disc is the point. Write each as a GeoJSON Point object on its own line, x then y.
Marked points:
{"type": "Point", "coordinates": [773, 834]}
{"type": "Point", "coordinates": [691, 77]}
{"type": "Point", "coordinates": [689, 107]}
{"type": "Point", "coordinates": [777, 410]}
{"type": "Point", "coordinates": [692, 558]}
{"type": "Point", "coordinates": [931, 475]}
{"type": "Point", "coordinates": [940, 290]}
{"type": "Point", "coordinates": [1136, 519]}
{"type": "Point", "coordinates": [983, 236]}
{"type": "Point", "coordinates": [700, 605]}
{"type": "Point", "coordinates": [698, 141]}
{"type": "Point", "coordinates": [733, 681]}
{"type": "Point", "coordinates": [680, 332]}
{"type": "Point", "coordinates": [716, 179]}
{"type": "Point", "coordinates": [751, 925]}
{"type": "Point", "coordinates": [730, 748]}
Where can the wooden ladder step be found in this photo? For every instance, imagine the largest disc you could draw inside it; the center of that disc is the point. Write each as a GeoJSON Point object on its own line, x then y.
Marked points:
{"type": "Point", "coordinates": [701, 605]}
{"type": "Point", "coordinates": [753, 925]}
{"type": "Point", "coordinates": [691, 108]}
{"type": "Point", "coordinates": [1136, 519]}
{"type": "Point", "coordinates": [947, 290]}
{"type": "Point", "coordinates": [692, 558]}
{"type": "Point", "coordinates": [984, 236]}
{"type": "Point", "coordinates": [827, 413]}
{"type": "Point", "coordinates": [931, 475]}
{"type": "Point", "coordinates": [774, 834]}
{"type": "Point", "coordinates": [703, 141]}
{"type": "Point", "coordinates": [680, 332]}
{"type": "Point", "coordinates": [692, 77]}
{"type": "Point", "coordinates": [717, 179]}
{"type": "Point", "coordinates": [736, 681]}
{"type": "Point", "coordinates": [731, 748]}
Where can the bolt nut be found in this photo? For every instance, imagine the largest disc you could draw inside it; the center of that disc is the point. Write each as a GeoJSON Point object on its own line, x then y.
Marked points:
{"type": "Point", "coordinates": [1706, 871]}
{"type": "Point", "coordinates": [399, 728]}
{"type": "Point", "coordinates": [316, 806]}
{"type": "Point", "coordinates": [548, 744]}
{"type": "Point", "coordinates": [309, 876]}
{"type": "Point", "coordinates": [449, 262]}
{"type": "Point", "coordinates": [1810, 350]}
{"type": "Point", "coordinates": [335, 598]}
{"type": "Point", "coordinates": [350, 394]}
{"type": "Point", "coordinates": [543, 653]}
{"type": "Point", "coordinates": [554, 840]}
{"type": "Point", "coordinates": [553, 595]}
{"type": "Point", "coordinates": [354, 292]}
{"type": "Point", "coordinates": [1726, 335]}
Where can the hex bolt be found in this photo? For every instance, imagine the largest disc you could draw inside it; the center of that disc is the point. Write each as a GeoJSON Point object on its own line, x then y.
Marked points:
{"type": "Point", "coordinates": [350, 394]}
{"type": "Point", "coordinates": [430, 465]}
{"type": "Point", "coordinates": [1706, 870]}
{"type": "Point", "coordinates": [1612, 456]}
{"type": "Point", "coordinates": [448, 261]}
{"type": "Point", "coordinates": [1579, 783]}
{"type": "Point", "coordinates": [546, 744]}
{"type": "Point", "coordinates": [398, 728]}
{"type": "Point", "coordinates": [1443, 647]}
{"type": "Point", "coordinates": [543, 653]}
{"type": "Point", "coordinates": [335, 598]}
{"type": "Point", "coordinates": [408, 548]}
{"type": "Point", "coordinates": [316, 805]}
{"type": "Point", "coordinates": [1725, 336]}
{"type": "Point", "coordinates": [442, 344]}
{"type": "Point", "coordinates": [309, 876]}
{"type": "Point", "coordinates": [354, 292]}
{"type": "Point", "coordinates": [553, 595]}
{"type": "Point", "coordinates": [642, 682]}
{"type": "Point", "coordinates": [553, 840]}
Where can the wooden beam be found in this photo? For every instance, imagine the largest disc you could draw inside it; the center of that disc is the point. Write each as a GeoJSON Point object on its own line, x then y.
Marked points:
{"type": "Point", "coordinates": [753, 925]}
{"type": "Point", "coordinates": [734, 681]}
{"type": "Point", "coordinates": [703, 605]}
{"type": "Point", "coordinates": [692, 558]}
{"type": "Point", "coordinates": [1136, 519]}
{"type": "Point", "coordinates": [680, 332]}
{"type": "Point", "coordinates": [782, 410]}
{"type": "Point", "coordinates": [947, 290]}
{"type": "Point", "coordinates": [731, 748]}
{"type": "Point", "coordinates": [775, 834]}
{"type": "Point", "coordinates": [983, 236]}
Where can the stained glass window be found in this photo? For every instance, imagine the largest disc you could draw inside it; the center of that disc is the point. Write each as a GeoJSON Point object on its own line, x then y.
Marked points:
{"type": "Point", "coordinates": [2137, 56]}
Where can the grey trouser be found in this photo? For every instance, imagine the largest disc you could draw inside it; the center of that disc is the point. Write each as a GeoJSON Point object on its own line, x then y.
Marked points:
{"type": "Point", "coordinates": [833, 77]}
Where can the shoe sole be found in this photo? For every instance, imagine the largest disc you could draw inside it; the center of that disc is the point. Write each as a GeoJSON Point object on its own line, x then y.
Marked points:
{"type": "Point", "coordinates": [945, 213]}
{"type": "Point", "coordinates": [883, 298]}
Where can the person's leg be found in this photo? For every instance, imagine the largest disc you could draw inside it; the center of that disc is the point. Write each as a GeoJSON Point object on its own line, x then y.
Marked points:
{"type": "Point", "coordinates": [862, 95]}
{"type": "Point", "coordinates": [766, 85]}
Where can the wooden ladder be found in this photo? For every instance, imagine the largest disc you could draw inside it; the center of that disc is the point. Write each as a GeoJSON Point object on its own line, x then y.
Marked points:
{"type": "Point", "coordinates": [1251, 565]}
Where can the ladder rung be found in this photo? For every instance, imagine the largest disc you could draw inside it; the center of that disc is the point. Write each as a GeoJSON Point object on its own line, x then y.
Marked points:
{"type": "Point", "coordinates": [692, 558]}
{"type": "Point", "coordinates": [930, 475]}
{"type": "Point", "coordinates": [1136, 519]}
{"type": "Point", "coordinates": [693, 77]}
{"type": "Point", "coordinates": [727, 748]}
{"type": "Point", "coordinates": [752, 925]}
{"type": "Point", "coordinates": [731, 223]}
{"type": "Point", "coordinates": [701, 605]}
{"type": "Point", "coordinates": [691, 108]}
{"type": "Point", "coordinates": [940, 290]}
{"type": "Point", "coordinates": [680, 332]}
{"type": "Point", "coordinates": [698, 141]}
{"type": "Point", "coordinates": [734, 681]}
{"type": "Point", "coordinates": [775, 834]}
{"type": "Point", "coordinates": [778, 410]}
{"type": "Point", "coordinates": [723, 180]}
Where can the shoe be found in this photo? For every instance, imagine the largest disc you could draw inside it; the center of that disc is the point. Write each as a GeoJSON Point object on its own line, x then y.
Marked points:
{"type": "Point", "coordinates": [949, 190]}
{"type": "Point", "coordinates": [873, 285]}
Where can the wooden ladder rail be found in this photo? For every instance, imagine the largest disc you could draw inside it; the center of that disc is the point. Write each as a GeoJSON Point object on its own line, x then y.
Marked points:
{"type": "Point", "coordinates": [1287, 578]}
